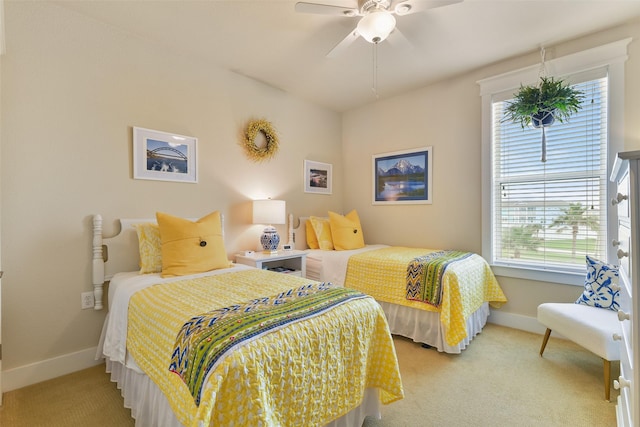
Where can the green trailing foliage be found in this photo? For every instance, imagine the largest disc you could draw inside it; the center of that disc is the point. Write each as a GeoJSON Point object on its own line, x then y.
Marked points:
{"type": "Point", "coordinates": [550, 96]}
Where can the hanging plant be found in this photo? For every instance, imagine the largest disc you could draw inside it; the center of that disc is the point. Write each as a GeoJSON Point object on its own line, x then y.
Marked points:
{"type": "Point", "coordinates": [549, 97]}
{"type": "Point", "coordinates": [540, 106]}
{"type": "Point", "coordinates": [264, 127]}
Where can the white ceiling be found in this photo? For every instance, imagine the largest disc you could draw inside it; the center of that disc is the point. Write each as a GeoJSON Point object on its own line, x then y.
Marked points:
{"type": "Point", "coordinates": [270, 42]}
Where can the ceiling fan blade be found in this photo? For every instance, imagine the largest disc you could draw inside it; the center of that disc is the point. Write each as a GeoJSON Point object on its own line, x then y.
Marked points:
{"type": "Point", "coordinates": [325, 9]}
{"type": "Point", "coordinates": [398, 41]}
{"type": "Point", "coordinates": [406, 7]}
{"type": "Point", "coordinates": [342, 46]}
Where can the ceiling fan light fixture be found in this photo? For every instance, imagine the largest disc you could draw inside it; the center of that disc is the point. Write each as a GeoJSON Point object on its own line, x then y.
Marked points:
{"type": "Point", "coordinates": [376, 26]}
{"type": "Point", "coordinates": [403, 9]}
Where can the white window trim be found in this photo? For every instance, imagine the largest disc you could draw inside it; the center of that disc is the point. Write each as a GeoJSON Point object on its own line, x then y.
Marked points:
{"type": "Point", "coordinates": [612, 55]}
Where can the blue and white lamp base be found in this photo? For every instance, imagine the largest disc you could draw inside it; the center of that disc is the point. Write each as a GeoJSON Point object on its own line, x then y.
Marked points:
{"type": "Point", "coordinates": [270, 240]}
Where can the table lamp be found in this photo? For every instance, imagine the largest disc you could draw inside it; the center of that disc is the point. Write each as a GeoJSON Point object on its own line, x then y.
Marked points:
{"type": "Point", "coordinates": [269, 212]}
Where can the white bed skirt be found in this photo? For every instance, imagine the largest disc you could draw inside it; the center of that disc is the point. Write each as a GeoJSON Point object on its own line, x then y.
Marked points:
{"type": "Point", "coordinates": [424, 326]}
{"type": "Point", "coordinates": [149, 407]}
{"type": "Point", "coordinates": [420, 325]}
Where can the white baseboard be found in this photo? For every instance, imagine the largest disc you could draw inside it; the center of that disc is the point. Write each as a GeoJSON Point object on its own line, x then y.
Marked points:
{"type": "Point", "coordinates": [518, 321]}
{"type": "Point", "coordinates": [33, 373]}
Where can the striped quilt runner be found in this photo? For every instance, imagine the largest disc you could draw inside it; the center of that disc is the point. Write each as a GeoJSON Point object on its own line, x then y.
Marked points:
{"type": "Point", "coordinates": [206, 339]}
{"type": "Point", "coordinates": [424, 275]}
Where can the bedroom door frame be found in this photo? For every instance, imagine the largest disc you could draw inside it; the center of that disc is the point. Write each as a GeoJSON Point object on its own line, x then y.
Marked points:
{"type": "Point", "coordinates": [2, 51]}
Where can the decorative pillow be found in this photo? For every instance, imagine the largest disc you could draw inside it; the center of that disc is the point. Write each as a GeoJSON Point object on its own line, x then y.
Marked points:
{"type": "Point", "coordinates": [312, 240]}
{"type": "Point", "coordinates": [346, 231]}
{"type": "Point", "coordinates": [598, 284]}
{"type": "Point", "coordinates": [323, 232]}
{"type": "Point", "coordinates": [191, 247]}
{"type": "Point", "coordinates": [150, 247]}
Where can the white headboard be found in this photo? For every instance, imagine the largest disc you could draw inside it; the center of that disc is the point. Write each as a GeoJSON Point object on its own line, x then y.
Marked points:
{"type": "Point", "coordinates": [117, 253]}
{"type": "Point", "coordinates": [299, 233]}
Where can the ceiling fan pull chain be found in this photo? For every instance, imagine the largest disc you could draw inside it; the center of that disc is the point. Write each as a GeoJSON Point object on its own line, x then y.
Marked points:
{"type": "Point", "coordinates": [375, 70]}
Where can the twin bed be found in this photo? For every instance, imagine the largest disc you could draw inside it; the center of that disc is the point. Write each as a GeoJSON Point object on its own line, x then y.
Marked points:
{"type": "Point", "coordinates": [235, 345]}
{"type": "Point", "coordinates": [300, 352]}
{"type": "Point", "coordinates": [468, 288]}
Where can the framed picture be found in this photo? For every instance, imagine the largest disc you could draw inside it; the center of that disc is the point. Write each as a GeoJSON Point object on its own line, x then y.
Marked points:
{"type": "Point", "coordinates": [402, 177]}
{"type": "Point", "coordinates": [164, 156]}
{"type": "Point", "coordinates": [317, 177]}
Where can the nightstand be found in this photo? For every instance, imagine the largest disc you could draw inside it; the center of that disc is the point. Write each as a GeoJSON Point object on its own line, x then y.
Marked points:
{"type": "Point", "coordinates": [290, 262]}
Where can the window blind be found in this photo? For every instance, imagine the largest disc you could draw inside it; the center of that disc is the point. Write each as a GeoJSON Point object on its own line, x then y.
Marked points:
{"type": "Point", "coordinates": [549, 215]}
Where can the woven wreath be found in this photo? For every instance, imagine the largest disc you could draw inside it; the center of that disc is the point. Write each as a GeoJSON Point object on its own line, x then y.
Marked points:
{"type": "Point", "coordinates": [270, 148]}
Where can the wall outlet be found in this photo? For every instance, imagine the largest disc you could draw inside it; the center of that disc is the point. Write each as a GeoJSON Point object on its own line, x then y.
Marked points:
{"type": "Point", "coordinates": [87, 300]}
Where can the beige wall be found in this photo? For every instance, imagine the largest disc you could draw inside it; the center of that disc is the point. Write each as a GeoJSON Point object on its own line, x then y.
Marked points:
{"type": "Point", "coordinates": [446, 116]}
{"type": "Point", "coordinates": [72, 89]}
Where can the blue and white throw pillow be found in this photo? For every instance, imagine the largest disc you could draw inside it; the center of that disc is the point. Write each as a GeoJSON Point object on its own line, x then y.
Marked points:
{"type": "Point", "coordinates": [598, 291]}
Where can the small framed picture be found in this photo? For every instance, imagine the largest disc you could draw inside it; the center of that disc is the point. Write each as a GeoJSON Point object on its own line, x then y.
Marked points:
{"type": "Point", "coordinates": [402, 177]}
{"type": "Point", "coordinates": [164, 156]}
{"type": "Point", "coordinates": [317, 177]}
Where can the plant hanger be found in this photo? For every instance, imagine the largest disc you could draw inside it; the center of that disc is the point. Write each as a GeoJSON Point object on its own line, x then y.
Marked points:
{"type": "Point", "coordinates": [547, 115]}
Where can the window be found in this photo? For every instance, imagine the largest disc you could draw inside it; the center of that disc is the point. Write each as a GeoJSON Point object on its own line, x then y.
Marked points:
{"type": "Point", "coordinates": [549, 215]}
{"type": "Point", "coordinates": [540, 219]}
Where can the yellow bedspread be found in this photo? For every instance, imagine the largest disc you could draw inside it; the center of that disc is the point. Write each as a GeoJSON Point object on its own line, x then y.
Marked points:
{"type": "Point", "coordinates": [308, 374]}
{"type": "Point", "coordinates": [466, 285]}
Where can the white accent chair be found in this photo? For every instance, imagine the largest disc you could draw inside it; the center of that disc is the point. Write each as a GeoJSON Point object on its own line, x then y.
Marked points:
{"type": "Point", "coordinates": [590, 327]}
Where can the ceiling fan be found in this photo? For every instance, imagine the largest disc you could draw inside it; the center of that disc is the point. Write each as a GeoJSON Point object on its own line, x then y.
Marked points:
{"type": "Point", "coordinates": [377, 21]}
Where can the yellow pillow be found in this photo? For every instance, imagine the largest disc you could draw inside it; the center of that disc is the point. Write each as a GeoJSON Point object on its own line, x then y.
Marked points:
{"type": "Point", "coordinates": [346, 231]}
{"type": "Point", "coordinates": [312, 240]}
{"type": "Point", "coordinates": [323, 232]}
{"type": "Point", "coordinates": [150, 247]}
{"type": "Point", "coordinates": [191, 247]}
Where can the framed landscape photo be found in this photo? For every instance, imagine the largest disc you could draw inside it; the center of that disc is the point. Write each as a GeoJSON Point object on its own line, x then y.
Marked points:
{"type": "Point", "coordinates": [164, 156]}
{"type": "Point", "coordinates": [403, 177]}
{"type": "Point", "coordinates": [317, 177]}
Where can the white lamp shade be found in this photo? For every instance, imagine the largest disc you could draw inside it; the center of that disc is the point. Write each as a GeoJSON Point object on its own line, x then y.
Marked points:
{"type": "Point", "coordinates": [376, 25]}
{"type": "Point", "coordinates": [269, 211]}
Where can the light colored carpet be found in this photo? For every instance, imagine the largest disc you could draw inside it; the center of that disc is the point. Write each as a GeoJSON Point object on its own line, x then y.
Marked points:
{"type": "Point", "coordinates": [499, 380]}
{"type": "Point", "coordinates": [85, 398]}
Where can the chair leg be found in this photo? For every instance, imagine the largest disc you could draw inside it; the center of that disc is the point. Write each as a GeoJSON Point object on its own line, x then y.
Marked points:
{"type": "Point", "coordinates": [607, 380]}
{"type": "Point", "coordinates": [545, 340]}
